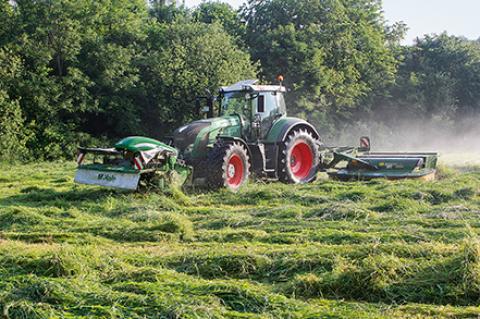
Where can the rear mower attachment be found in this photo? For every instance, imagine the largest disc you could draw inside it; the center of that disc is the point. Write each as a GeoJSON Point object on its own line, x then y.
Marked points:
{"type": "Point", "coordinates": [361, 164]}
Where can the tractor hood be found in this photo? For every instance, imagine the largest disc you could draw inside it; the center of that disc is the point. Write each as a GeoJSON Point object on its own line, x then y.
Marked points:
{"type": "Point", "coordinates": [203, 131]}
{"type": "Point", "coordinates": [142, 144]}
{"type": "Point", "coordinates": [186, 135]}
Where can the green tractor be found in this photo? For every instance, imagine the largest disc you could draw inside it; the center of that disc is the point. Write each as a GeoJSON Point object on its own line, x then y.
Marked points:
{"type": "Point", "coordinates": [252, 136]}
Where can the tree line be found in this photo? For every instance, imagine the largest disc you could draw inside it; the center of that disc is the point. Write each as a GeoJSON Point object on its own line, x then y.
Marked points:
{"type": "Point", "coordinates": [88, 71]}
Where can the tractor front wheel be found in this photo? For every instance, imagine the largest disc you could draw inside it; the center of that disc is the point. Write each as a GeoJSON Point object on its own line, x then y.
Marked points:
{"type": "Point", "coordinates": [229, 166]}
{"type": "Point", "coordinates": [299, 158]}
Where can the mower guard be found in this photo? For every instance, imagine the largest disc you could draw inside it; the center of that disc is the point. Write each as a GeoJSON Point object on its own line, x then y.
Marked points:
{"type": "Point", "coordinates": [106, 178]}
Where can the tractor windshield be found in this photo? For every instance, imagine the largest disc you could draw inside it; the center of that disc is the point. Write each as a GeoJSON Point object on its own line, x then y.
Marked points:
{"type": "Point", "coordinates": [234, 103]}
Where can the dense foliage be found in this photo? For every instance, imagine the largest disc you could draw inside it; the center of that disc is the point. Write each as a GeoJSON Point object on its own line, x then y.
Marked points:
{"type": "Point", "coordinates": [333, 53]}
{"type": "Point", "coordinates": [440, 75]}
{"type": "Point", "coordinates": [71, 70]}
{"type": "Point", "coordinates": [84, 71]}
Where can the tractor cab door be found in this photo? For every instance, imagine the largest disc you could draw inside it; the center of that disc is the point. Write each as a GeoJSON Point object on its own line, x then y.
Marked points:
{"type": "Point", "coordinates": [267, 107]}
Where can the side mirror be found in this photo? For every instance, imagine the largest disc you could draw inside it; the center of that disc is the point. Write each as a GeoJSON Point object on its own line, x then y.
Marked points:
{"type": "Point", "coordinates": [209, 106]}
{"type": "Point", "coordinates": [364, 144]}
{"type": "Point", "coordinates": [206, 108]}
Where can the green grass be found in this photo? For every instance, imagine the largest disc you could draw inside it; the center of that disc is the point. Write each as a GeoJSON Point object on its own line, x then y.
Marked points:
{"type": "Point", "coordinates": [327, 250]}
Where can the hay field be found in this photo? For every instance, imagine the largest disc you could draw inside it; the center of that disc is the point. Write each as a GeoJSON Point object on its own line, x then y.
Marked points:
{"type": "Point", "coordinates": [326, 250]}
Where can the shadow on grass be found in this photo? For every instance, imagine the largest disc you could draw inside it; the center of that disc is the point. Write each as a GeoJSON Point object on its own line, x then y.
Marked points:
{"type": "Point", "coordinates": [35, 197]}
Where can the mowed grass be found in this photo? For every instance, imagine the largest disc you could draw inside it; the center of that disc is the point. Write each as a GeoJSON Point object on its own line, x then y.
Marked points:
{"type": "Point", "coordinates": [375, 249]}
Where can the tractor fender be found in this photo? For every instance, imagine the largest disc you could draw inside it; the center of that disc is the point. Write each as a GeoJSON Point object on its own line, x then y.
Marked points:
{"type": "Point", "coordinates": [236, 139]}
{"type": "Point", "coordinates": [283, 127]}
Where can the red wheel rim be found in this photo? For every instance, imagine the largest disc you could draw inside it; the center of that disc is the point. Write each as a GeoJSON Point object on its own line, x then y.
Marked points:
{"type": "Point", "coordinates": [301, 160]}
{"type": "Point", "coordinates": [235, 171]}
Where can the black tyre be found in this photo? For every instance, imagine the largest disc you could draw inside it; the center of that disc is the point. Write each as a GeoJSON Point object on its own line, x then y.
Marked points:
{"type": "Point", "coordinates": [299, 158]}
{"type": "Point", "coordinates": [228, 166]}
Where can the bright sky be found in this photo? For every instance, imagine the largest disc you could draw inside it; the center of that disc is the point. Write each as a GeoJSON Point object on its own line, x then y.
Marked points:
{"type": "Point", "coordinates": [457, 17]}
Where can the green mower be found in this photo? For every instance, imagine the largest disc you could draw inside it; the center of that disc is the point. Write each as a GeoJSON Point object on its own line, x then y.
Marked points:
{"type": "Point", "coordinates": [253, 136]}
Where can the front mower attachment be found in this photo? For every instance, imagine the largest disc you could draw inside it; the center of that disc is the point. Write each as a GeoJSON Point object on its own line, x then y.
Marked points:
{"type": "Point", "coordinates": [135, 162]}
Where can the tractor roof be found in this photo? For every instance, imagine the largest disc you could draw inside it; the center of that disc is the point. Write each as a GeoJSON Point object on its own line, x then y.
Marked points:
{"type": "Point", "coordinates": [249, 85]}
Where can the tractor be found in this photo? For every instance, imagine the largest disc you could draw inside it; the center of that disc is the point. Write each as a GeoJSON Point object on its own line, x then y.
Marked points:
{"type": "Point", "coordinates": [252, 136]}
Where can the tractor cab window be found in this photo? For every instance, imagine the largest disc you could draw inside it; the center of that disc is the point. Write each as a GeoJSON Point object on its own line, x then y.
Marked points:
{"type": "Point", "coordinates": [269, 105]}
{"type": "Point", "coordinates": [234, 103]}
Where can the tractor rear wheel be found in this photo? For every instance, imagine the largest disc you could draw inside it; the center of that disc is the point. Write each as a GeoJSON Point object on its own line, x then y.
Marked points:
{"type": "Point", "coordinates": [228, 165]}
{"type": "Point", "coordinates": [299, 158]}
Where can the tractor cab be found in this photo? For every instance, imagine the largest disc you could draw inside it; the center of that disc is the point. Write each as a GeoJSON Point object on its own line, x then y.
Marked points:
{"type": "Point", "coordinates": [259, 106]}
